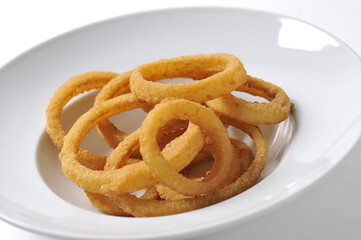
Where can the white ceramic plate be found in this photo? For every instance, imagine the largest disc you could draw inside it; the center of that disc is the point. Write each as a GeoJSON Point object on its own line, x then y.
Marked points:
{"type": "Point", "coordinates": [319, 72]}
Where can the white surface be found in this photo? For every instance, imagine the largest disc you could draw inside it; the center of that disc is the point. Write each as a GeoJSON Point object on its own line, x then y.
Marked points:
{"type": "Point", "coordinates": [330, 209]}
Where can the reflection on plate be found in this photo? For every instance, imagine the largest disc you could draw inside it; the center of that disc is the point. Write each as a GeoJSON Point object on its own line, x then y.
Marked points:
{"type": "Point", "coordinates": [309, 64]}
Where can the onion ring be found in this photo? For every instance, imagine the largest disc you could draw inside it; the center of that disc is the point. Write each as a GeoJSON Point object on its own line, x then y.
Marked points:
{"type": "Point", "coordinates": [209, 122]}
{"type": "Point", "coordinates": [220, 73]}
{"type": "Point", "coordinates": [109, 181]}
{"type": "Point", "coordinates": [62, 96]}
{"type": "Point", "coordinates": [273, 112]}
{"type": "Point", "coordinates": [149, 208]}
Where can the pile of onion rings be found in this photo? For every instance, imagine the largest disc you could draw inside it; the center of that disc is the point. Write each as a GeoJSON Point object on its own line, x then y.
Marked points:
{"type": "Point", "coordinates": [186, 125]}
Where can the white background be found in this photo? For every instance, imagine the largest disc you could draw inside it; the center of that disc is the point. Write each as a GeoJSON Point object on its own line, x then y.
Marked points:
{"type": "Point", "coordinates": [330, 209]}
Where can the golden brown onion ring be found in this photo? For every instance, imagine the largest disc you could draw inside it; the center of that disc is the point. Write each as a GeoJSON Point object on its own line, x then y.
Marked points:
{"type": "Point", "coordinates": [110, 181]}
{"type": "Point", "coordinates": [148, 208]}
{"type": "Point", "coordinates": [73, 87]}
{"type": "Point", "coordinates": [214, 129]}
{"type": "Point", "coordinates": [218, 73]}
{"type": "Point", "coordinates": [271, 112]}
